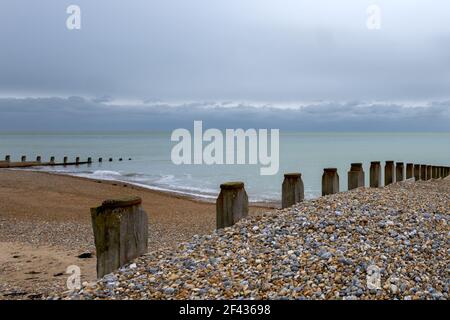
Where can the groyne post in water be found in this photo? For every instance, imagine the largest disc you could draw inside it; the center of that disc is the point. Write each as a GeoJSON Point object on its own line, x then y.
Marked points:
{"type": "Point", "coordinates": [120, 231]}
{"type": "Point", "coordinates": [409, 170]}
{"type": "Point", "coordinates": [65, 160]}
{"type": "Point", "coordinates": [375, 174]}
{"type": "Point", "coordinates": [292, 190]}
{"type": "Point", "coordinates": [38, 159]}
{"type": "Point", "coordinates": [100, 159]}
{"type": "Point", "coordinates": [89, 160]}
{"type": "Point", "coordinates": [423, 172]}
{"type": "Point", "coordinates": [52, 159]}
{"type": "Point", "coordinates": [330, 181]}
{"type": "Point", "coordinates": [231, 205]}
{"type": "Point", "coordinates": [399, 175]}
{"type": "Point", "coordinates": [23, 159]}
{"type": "Point", "coordinates": [417, 172]}
{"type": "Point", "coordinates": [389, 173]}
{"type": "Point", "coordinates": [77, 160]}
{"type": "Point", "coordinates": [110, 159]}
{"type": "Point", "coordinates": [8, 158]}
{"type": "Point", "coordinates": [356, 176]}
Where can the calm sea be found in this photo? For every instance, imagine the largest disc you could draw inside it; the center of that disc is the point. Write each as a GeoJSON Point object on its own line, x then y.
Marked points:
{"type": "Point", "coordinates": [151, 166]}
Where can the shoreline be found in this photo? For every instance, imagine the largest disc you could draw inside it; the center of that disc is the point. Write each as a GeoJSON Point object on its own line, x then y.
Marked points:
{"type": "Point", "coordinates": [139, 186]}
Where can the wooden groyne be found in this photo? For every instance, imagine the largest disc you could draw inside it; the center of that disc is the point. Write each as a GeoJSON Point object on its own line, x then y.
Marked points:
{"type": "Point", "coordinates": [23, 163]}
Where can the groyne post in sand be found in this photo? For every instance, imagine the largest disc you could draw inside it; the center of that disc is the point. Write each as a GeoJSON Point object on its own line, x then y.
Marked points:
{"type": "Point", "coordinates": [441, 175]}
{"type": "Point", "coordinates": [120, 231]}
{"type": "Point", "coordinates": [423, 172]}
{"type": "Point", "coordinates": [375, 174]}
{"type": "Point", "coordinates": [330, 181]}
{"type": "Point", "coordinates": [65, 160]}
{"type": "Point", "coordinates": [292, 190]}
{"type": "Point", "coordinates": [38, 159]}
{"type": "Point", "coordinates": [429, 172]}
{"type": "Point", "coordinates": [8, 158]}
{"type": "Point", "coordinates": [399, 175]}
{"type": "Point", "coordinates": [356, 176]}
{"type": "Point", "coordinates": [409, 170]}
{"type": "Point", "coordinates": [389, 169]}
{"type": "Point", "coordinates": [231, 205]}
{"type": "Point", "coordinates": [23, 159]}
{"type": "Point", "coordinates": [417, 172]}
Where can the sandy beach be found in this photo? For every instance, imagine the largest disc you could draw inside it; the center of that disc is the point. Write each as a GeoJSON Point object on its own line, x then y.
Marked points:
{"type": "Point", "coordinates": [45, 225]}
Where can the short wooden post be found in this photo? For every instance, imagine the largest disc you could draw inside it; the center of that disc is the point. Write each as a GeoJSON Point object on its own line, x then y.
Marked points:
{"type": "Point", "coordinates": [38, 159]}
{"type": "Point", "coordinates": [52, 159]}
{"type": "Point", "coordinates": [292, 190]}
{"type": "Point", "coordinates": [429, 172]}
{"type": "Point", "coordinates": [423, 172]}
{"type": "Point", "coordinates": [8, 158]}
{"type": "Point", "coordinates": [89, 160]}
{"type": "Point", "coordinates": [77, 160]}
{"type": "Point", "coordinates": [65, 160]}
{"type": "Point", "coordinates": [100, 159]}
{"type": "Point", "coordinates": [417, 172]}
{"type": "Point", "coordinates": [330, 181]}
{"type": "Point", "coordinates": [231, 205]}
{"type": "Point", "coordinates": [409, 170]}
{"type": "Point", "coordinates": [110, 160]}
{"type": "Point", "coordinates": [23, 158]}
{"type": "Point", "coordinates": [375, 174]}
{"type": "Point", "coordinates": [356, 176]}
{"type": "Point", "coordinates": [399, 168]}
{"type": "Point", "coordinates": [389, 169]}
{"type": "Point", "coordinates": [120, 231]}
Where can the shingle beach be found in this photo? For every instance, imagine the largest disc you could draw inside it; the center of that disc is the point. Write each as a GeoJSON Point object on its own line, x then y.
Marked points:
{"type": "Point", "coordinates": [329, 248]}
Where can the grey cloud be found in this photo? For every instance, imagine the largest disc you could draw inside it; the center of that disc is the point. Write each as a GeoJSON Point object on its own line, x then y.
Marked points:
{"type": "Point", "coordinates": [81, 114]}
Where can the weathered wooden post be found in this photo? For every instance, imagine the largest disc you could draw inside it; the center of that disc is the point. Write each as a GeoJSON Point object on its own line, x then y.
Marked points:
{"type": "Point", "coordinates": [100, 159]}
{"type": "Point", "coordinates": [409, 170]}
{"type": "Point", "coordinates": [110, 159]}
{"type": "Point", "coordinates": [330, 181]}
{"type": "Point", "coordinates": [440, 173]}
{"type": "Point", "coordinates": [38, 159]}
{"type": "Point", "coordinates": [434, 172]}
{"type": "Point", "coordinates": [429, 172]}
{"type": "Point", "coordinates": [356, 176]}
{"type": "Point", "coordinates": [120, 231]}
{"type": "Point", "coordinates": [89, 160]}
{"type": "Point", "coordinates": [423, 172]}
{"type": "Point", "coordinates": [77, 160]}
{"type": "Point", "coordinates": [389, 172]}
{"type": "Point", "coordinates": [399, 168]}
{"type": "Point", "coordinates": [8, 158]}
{"type": "Point", "coordinates": [52, 159]}
{"type": "Point", "coordinates": [231, 205]}
{"type": "Point", "coordinates": [292, 190]}
{"type": "Point", "coordinates": [23, 158]}
{"type": "Point", "coordinates": [417, 172]}
{"type": "Point", "coordinates": [375, 174]}
{"type": "Point", "coordinates": [65, 160]}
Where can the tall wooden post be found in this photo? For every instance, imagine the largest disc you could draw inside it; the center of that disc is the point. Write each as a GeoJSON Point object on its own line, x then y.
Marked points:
{"type": "Point", "coordinates": [356, 176]}
{"type": "Point", "coordinates": [375, 174]}
{"type": "Point", "coordinates": [399, 168]}
{"type": "Point", "coordinates": [330, 181]}
{"type": "Point", "coordinates": [389, 172]}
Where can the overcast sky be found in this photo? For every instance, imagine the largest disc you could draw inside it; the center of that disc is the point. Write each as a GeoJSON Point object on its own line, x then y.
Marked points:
{"type": "Point", "coordinates": [271, 53]}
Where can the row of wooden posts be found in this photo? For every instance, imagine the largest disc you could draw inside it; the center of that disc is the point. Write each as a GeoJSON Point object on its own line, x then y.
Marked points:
{"type": "Point", "coordinates": [7, 163]}
{"type": "Point", "coordinates": [121, 226]}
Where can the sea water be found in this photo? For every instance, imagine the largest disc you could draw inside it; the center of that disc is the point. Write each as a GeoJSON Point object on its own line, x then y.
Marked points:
{"type": "Point", "coordinates": [151, 166]}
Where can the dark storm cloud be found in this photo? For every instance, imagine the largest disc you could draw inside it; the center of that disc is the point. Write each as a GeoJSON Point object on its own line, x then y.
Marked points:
{"type": "Point", "coordinates": [79, 114]}
{"type": "Point", "coordinates": [257, 50]}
